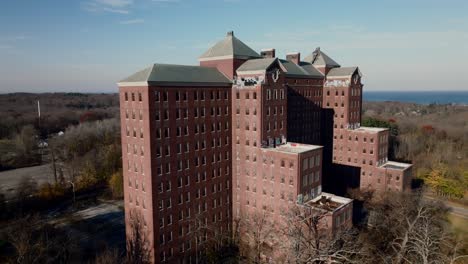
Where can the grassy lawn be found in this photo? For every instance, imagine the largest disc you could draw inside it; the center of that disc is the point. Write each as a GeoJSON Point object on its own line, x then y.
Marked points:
{"type": "Point", "coordinates": [460, 228]}
{"type": "Point", "coordinates": [459, 225]}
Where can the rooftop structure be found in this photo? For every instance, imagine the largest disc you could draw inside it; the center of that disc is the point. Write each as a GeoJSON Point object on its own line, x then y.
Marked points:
{"type": "Point", "coordinates": [329, 202]}
{"type": "Point", "coordinates": [396, 165]}
{"type": "Point", "coordinates": [228, 48]}
{"type": "Point", "coordinates": [294, 148]}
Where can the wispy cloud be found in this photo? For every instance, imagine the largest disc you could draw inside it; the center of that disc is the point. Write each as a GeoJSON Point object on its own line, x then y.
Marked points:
{"type": "Point", "coordinates": [114, 3]}
{"type": "Point", "coordinates": [132, 21]}
{"type": "Point", "coordinates": [111, 6]}
{"type": "Point", "coordinates": [165, 1]}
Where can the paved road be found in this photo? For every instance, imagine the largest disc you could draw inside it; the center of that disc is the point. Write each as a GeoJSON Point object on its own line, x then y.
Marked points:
{"type": "Point", "coordinates": [94, 228]}
{"type": "Point", "coordinates": [456, 209]}
{"type": "Point", "coordinates": [11, 179]}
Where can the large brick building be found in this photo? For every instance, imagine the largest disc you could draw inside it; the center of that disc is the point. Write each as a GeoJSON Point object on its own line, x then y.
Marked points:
{"type": "Point", "coordinates": [244, 133]}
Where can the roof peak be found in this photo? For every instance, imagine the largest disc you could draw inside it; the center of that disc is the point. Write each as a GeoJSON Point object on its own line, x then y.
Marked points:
{"type": "Point", "coordinates": [320, 58]}
{"type": "Point", "coordinates": [228, 48]}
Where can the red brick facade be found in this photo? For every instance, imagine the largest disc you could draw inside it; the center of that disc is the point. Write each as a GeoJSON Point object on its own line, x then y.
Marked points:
{"type": "Point", "coordinates": [217, 153]}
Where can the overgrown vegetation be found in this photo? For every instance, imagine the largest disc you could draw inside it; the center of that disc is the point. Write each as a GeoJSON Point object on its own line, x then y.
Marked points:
{"type": "Point", "coordinates": [433, 137]}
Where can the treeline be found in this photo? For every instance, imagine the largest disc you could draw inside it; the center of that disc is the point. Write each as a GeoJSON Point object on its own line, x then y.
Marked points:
{"type": "Point", "coordinates": [58, 111]}
{"type": "Point", "coordinates": [434, 138]}
{"type": "Point", "coordinates": [400, 228]}
{"type": "Point", "coordinates": [23, 133]}
{"type": "Point", "coordinates": [89, 154]}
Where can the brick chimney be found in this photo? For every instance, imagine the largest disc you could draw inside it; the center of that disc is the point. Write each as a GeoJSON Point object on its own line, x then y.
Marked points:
{"type": "Point", "coordinates": [268, 53]}
{"type": "Point", "coordinates": [294, 57]}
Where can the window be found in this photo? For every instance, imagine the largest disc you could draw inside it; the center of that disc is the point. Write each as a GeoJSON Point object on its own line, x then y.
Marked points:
{"type": "Point", "coordinates": [126, 96]}
{"type": "Point", "coordinates": [140, 98]}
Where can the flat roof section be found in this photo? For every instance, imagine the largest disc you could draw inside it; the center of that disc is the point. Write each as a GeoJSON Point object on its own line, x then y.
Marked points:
{"type": "Point", "coordinates": [396, 165]}
{"type": "Point", "coordinates": [328, 202]}
{"type": "Point", "coordinates": [370, 129]}
{"type": "Point", "coordinates": [295, 148]}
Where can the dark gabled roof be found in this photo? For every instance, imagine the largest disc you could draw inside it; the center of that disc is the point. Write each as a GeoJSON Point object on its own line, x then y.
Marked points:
{"type": "Point", "coordinates": [309, 68]}
{"type": "Point", "coordinates": [256, 65]}
{"type": "Point", "coordinates": [230, 46]}
{"type": "Point", "coordinates": [304, 70]}
{"type": "Point", "coordinates": [293, 70]}
{"type": "Point", "coordinates": [319, 58]}
{"type": "Point", "coordinates": [170, 74]}
{"type": "Point", "coordinates": [342, 72]}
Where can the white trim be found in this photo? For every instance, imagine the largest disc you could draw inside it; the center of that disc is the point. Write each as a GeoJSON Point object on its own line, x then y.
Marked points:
{"type": "Point", "coordinates": [121, 84]}
{"type": "Point", "coordinates": [251, 72]}
{"type": "Point", "coordinates": [339, 76]}
{"type": "Point", "coordinates": [242, 57]}
{"type": "Point", "coordinates": [169, 84]}
{"type": "Point", "coordinates": [216, 58]}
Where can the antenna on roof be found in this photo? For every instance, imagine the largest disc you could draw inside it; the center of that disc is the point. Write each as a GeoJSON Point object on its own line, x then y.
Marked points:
{"type": "Point", "coordinates": [316, 53]}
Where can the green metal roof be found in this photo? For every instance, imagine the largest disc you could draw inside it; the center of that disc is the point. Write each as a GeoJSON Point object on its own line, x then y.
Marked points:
{"type": "Point", "coordinates": [309, 68]}
{"type": "Point", "coordinates": [340, 72]}
{"type": "Point", "coordinates": [230, 46]}
{"type": "Point", "coordinates": [256, 65]}
{"type": "Point", "coordinates": [177, 75]}
{"type": "Point", "coordinates": [304, 70]}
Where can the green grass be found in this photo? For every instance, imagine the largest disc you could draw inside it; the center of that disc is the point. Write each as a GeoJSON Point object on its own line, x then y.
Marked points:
{"type": "Point", "coordinates": [459, 225]}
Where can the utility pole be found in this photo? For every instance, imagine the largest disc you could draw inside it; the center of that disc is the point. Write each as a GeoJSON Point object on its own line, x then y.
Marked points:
{"type": "Point", "coordinates": [39, 113]}
{"type": "Point", "coordinates": [73, 190]}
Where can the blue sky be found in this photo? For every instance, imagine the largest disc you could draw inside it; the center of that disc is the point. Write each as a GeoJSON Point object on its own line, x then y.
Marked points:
{"type": "Point", "coordinates": [88, 45]}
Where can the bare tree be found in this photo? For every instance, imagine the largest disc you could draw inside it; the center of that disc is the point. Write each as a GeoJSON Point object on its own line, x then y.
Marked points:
{"type": "Point", "coordinates": [37, 242]}
{"type": "Point", "coordinates": [209, 238]}
{"type": "Point", "coordinates": [311, 240]}
{"type": "Point", "coordinates": [138, 246]}
{"type": "Point", "coordinates": [407, 229]}
{"type": "Point", "coordinates": [109, 256]}
{"type": "Point", "coordinates": [260, 231]}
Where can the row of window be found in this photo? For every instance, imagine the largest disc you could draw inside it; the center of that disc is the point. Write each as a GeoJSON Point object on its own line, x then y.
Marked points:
{"type": "Point", "coordinates": [313, 192]}
{"type": "Point", "coordinates": [166, 204]}
{"type": "Point", "coordinates": [136, 185]}
{"type": "Point", "coordinates": [198, 161]}
{"type": "Point", "coordinates": [343, 217]}
{"type": "Point", "coordinates": [140, 97]}
{"type": "Point", "coordinates": [364, 150]}
{"type": "Point", "coordinates": [309, 162]}
{"type": "Point", "coordinates": [310, 179]}
{"type": "Point", "coordinates": [140, 114]}
{"type": "Point", "coordinates": [356, 138]}
{"type": "Point", "coordinates": [397, 178]}
{"type": "Point", "coordinates": [364, 161]}
{"type": "Point", "coordinates": [137, 167]}
{"type": "Point", "coordinates": [264, 178]}
{"type": "Point", "coordinates": [198, 129]}
{"type": "Point", "coordinates": [138, 201]}
{"type": "Point", "coordinates": [167, 186]}
{"type": "Point", "coordinates": [267, 160]}
{"type": "Point", "coordinates": [197, 95]}
{"type": "Point", "coordinates": [136, 133]}
{"type": "Point", "coordinates": [197, 112]}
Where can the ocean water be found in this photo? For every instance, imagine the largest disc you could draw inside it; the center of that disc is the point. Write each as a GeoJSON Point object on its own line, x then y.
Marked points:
{"type": "Point", "coordinates": [419, 97]}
